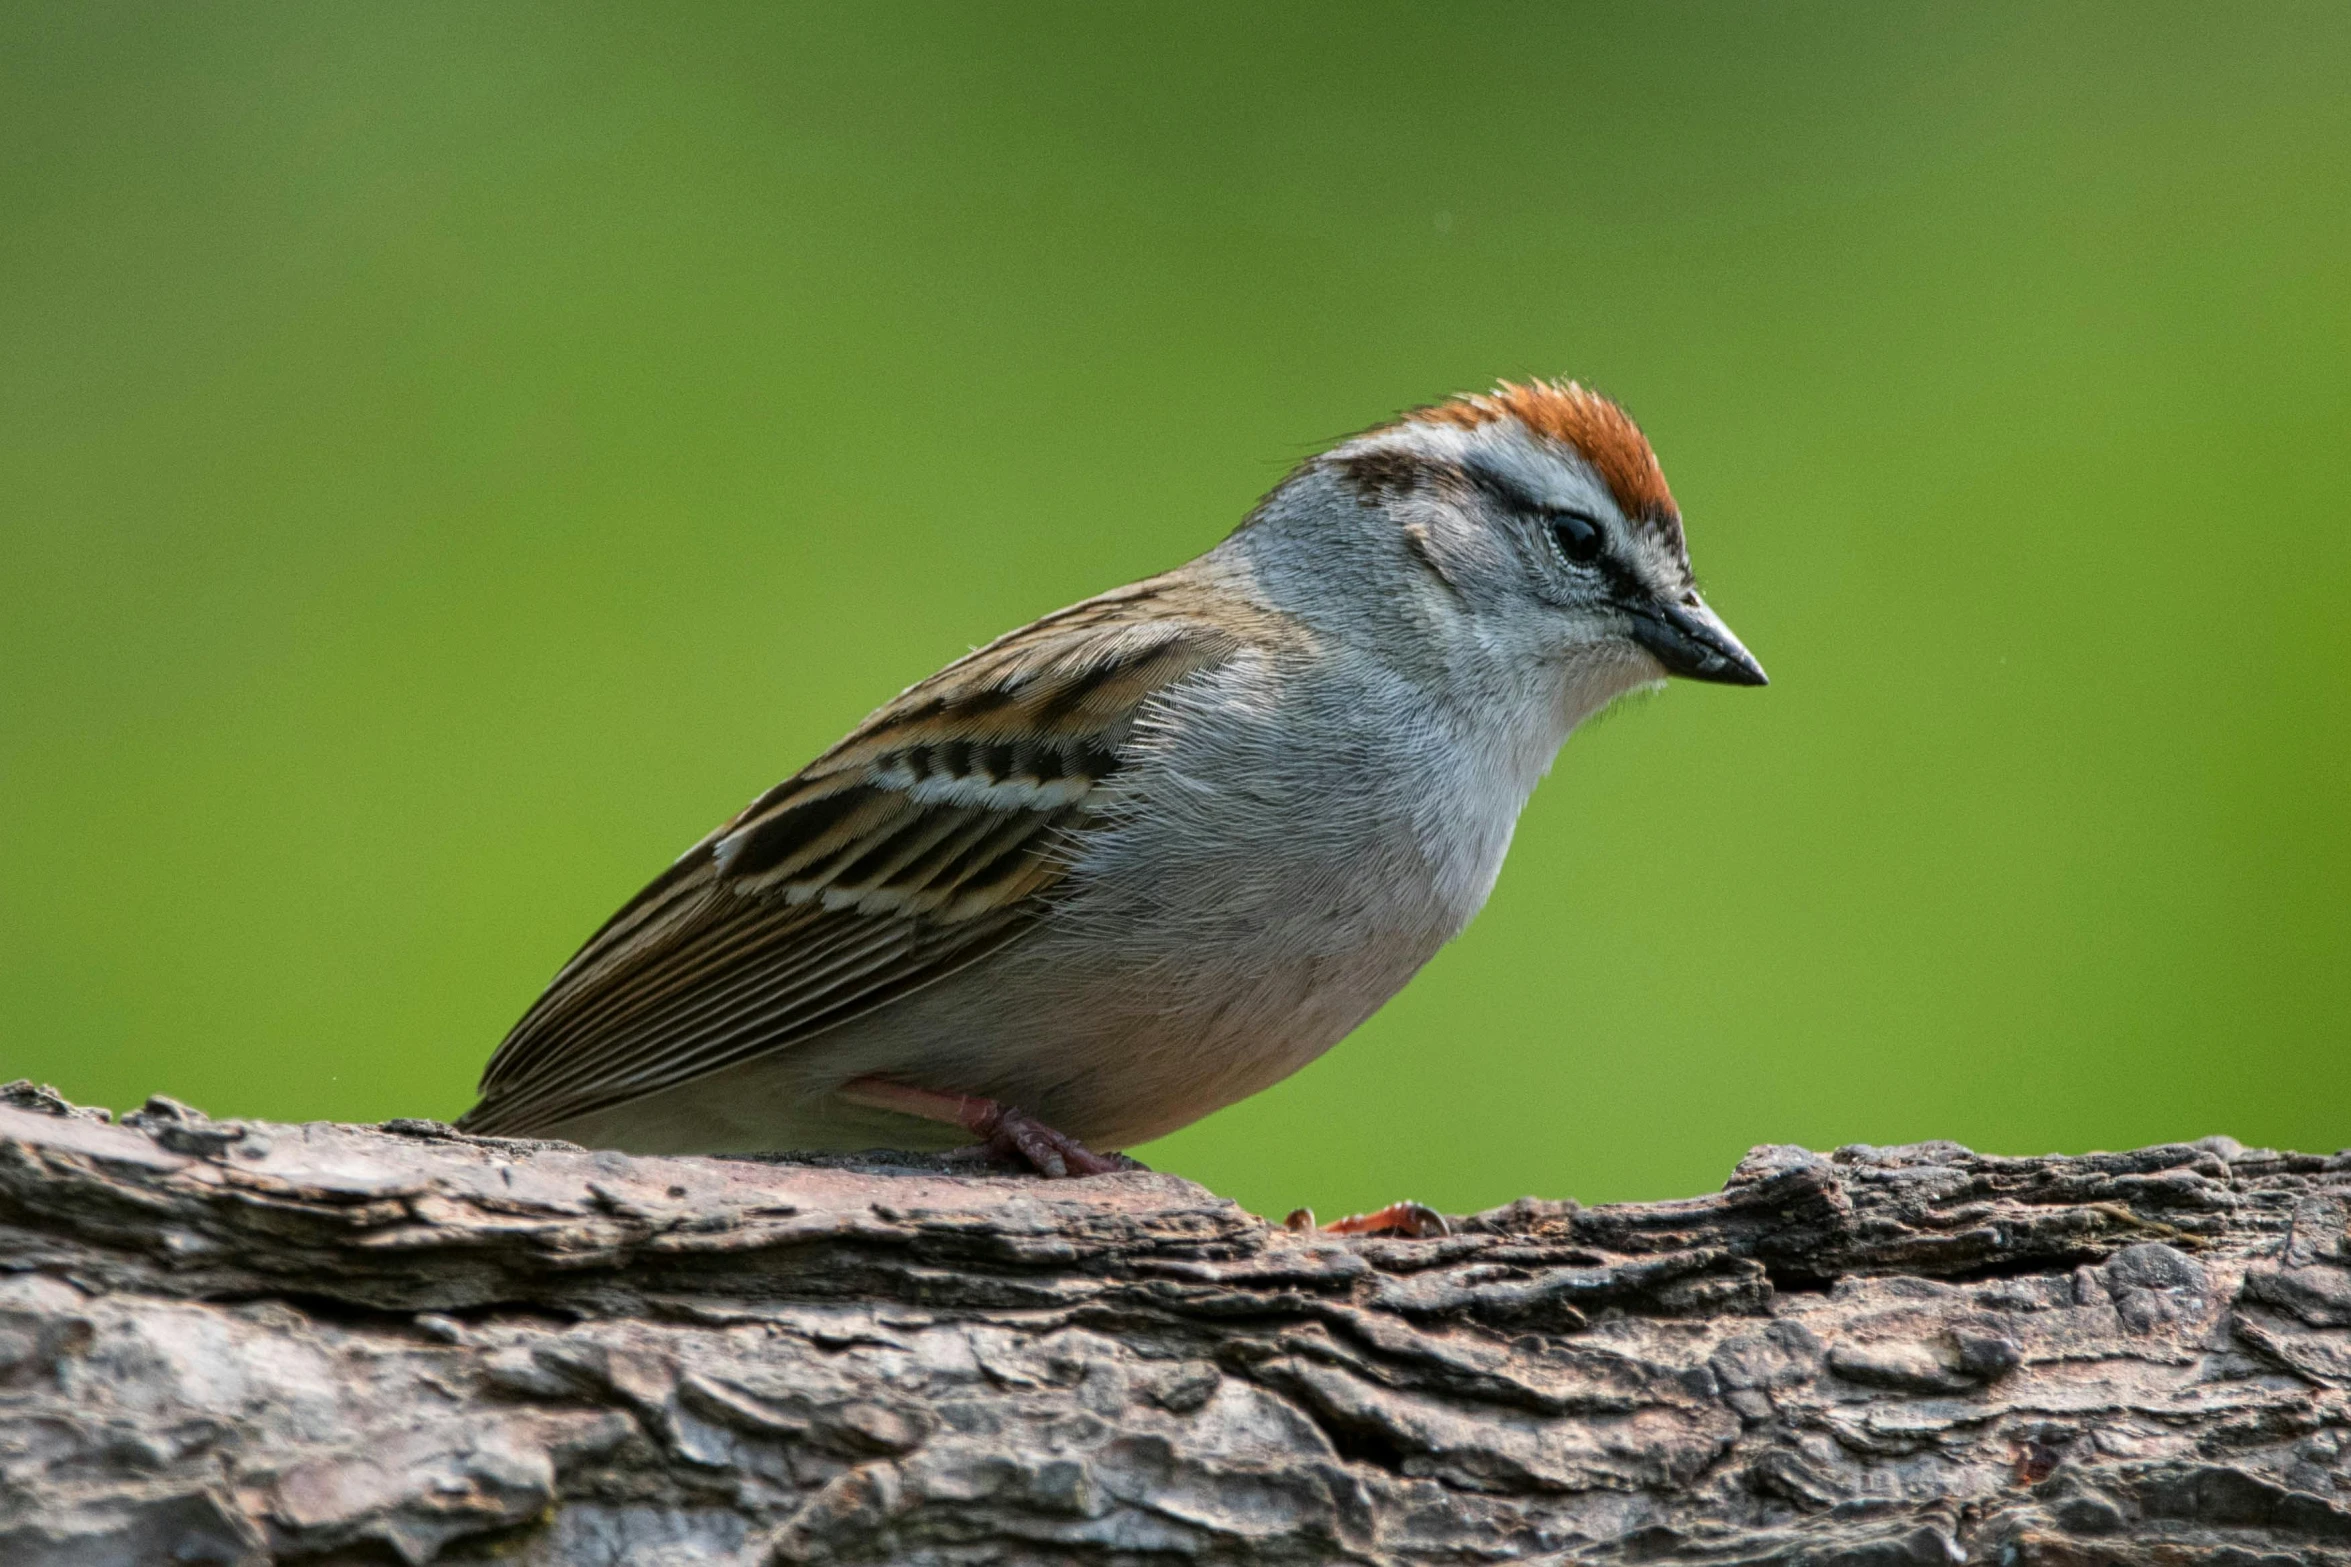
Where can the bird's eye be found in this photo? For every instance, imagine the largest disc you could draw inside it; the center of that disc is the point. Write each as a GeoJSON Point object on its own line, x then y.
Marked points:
{"type": "Point", "coordinates": [1577, 536]}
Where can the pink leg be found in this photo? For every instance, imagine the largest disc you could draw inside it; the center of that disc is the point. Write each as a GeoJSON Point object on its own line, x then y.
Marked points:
{"type": "Point", "coordinates": [1007, 1132]}
{"type": "Point", "coordinates": [1411, 1219]}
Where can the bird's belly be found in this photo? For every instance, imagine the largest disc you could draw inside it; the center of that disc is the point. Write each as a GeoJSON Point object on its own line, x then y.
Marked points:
{"type": "Point", "coordinates": [1119, 1058]}
{"type": "Point", "coordinates": [1148, 1001]}
{"type": "Point", "coordinates": [1112, 1052]}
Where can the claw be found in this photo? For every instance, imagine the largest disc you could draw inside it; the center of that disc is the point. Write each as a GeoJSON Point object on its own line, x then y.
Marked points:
{"type": "Point", "coordinates": [1048, 1152]}
{"type": "Point", "coordinates": [1006, 1132]}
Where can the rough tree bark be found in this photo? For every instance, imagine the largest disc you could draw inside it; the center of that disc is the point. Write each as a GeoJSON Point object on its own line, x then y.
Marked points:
{"type": "Point", "coordinates": [226, 1342]}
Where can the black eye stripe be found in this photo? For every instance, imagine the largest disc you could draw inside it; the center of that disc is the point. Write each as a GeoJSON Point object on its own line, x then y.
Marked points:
{"type": "Point", "coordinates": [1553, 520]}
{"type": "Point", "coordinates": [1505, 491]}
{"type": "Point", "coordinates": [1621, 576]}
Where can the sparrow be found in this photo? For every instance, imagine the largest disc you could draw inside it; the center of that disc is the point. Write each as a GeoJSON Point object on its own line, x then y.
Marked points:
{"type": "Point", "coordinates": [1156, 851]}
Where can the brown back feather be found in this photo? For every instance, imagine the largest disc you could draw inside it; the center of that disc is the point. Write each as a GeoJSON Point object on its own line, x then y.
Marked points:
{"type": "Point", "coordinates": [935, 833]}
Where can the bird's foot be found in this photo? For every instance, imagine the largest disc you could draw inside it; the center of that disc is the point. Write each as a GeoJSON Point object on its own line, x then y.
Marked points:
{"type": "Point", "coordinates": [1415, 1221]}
{"type": "Point", "coordinates": [1004, 1131]}
{"type": "Point", "coordinates": [1016, 1134]}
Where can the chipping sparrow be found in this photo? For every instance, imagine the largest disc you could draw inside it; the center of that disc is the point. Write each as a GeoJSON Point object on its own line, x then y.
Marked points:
{"type": "Point", "coordinates": [1158, 850]}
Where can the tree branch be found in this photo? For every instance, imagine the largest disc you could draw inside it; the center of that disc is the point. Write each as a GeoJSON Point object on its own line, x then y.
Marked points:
{"type": "Point", "coordinates": [230, 1342]}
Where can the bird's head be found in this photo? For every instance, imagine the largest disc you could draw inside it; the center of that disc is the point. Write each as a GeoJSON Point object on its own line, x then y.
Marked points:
{"type": "Point", "coordinates": [1531, 523]}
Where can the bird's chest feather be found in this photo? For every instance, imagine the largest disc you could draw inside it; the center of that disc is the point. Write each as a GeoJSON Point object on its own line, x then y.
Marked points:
{"type": "Point", "coordinates": [1335, 822]}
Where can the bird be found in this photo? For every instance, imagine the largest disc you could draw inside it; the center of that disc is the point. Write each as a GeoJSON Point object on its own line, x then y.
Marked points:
{"type": "Point", "coordinates": [1154, 852]}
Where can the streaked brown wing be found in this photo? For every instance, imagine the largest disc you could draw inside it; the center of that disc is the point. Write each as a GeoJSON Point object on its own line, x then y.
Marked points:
{"type": "Point", "coordinates": [931, 836]}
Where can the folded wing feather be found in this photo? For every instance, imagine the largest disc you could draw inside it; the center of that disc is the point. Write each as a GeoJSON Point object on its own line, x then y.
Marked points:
{"type": "Point", "coordinates": [934, 834]}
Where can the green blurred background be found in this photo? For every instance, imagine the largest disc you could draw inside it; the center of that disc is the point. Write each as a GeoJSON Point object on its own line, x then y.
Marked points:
{"type": "Point", "coordinates": [451, 456]}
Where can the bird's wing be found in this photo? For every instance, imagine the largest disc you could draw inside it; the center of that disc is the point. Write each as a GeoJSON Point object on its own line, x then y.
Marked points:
{"type": "Point", "coordinates": [931, 836]}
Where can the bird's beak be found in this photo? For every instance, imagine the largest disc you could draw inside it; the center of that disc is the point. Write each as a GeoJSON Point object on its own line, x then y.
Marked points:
{"type": "Point", "coordinates": [1690, 640]}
